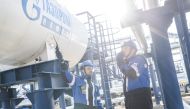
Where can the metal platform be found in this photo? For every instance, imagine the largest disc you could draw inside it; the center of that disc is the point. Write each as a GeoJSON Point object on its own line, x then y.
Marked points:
{"type": "Point", "coordinates": [48, 75]}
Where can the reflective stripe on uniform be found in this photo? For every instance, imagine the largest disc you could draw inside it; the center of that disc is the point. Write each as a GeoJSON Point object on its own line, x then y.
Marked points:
{"type": "Point", "coordinates": [87, 101]}
{"type": "Point", "coordinates": [98, 98]}
{"type": "Point", "coordinates": [93, 90]}
{"type": "Point", "coordinates": [134, 66]}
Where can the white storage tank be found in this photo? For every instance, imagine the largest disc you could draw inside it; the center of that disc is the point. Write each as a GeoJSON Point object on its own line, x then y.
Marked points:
{"type": "Point", "coordinates": [26, 26]}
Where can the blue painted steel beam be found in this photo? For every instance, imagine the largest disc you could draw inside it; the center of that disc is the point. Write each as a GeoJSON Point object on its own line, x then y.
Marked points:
{"type": "Point", "coordinates": [147, 16]}
{"type": "Point", "coordinates": [183, 33]}
{"type": "Point", "coordinates": [50, 87]}
{"type": "Point", "coordinates": [45, 98]}
{"type": "Point", "coordinates": [167, 72]}
{"type": "Point", "coordinates": [102, 64]}
{"type": "Point", "coordinates": [154, 85]}
{"type": "Point", "coordinates": [159, 19]}
{"type": "Point", "coordinates": [8, 98]}
{"type": "Point", "coordinates": [28, 73]}
{"type": "Point", "coordinates": [158, 75]}
{"type": "Point", "coordinates": [106, 88]}
{"type": "Point", "coordinates": [62, 101]}
{"type": "Point", "coordinates": [50, 80]}
{"type": "Point", "coordinates": [104, 75]}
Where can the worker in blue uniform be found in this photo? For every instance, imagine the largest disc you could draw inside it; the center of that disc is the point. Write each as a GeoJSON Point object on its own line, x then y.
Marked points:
{"type": "Point", "coordinates": [134, 67]}
{"type": "Point", "coordinates": [85, 93]}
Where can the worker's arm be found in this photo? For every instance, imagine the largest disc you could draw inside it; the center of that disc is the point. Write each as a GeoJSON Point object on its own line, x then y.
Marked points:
{"type": "Point", "coordinates": [70, 78]}
{"type": "Point", "coordinates": [120, 60]}
{"type": "Point", "coordinates": [135, 67]}
{"type": "Point", "coordinates": [129, 70]}
{"type": "Point", "coordinates": [67, 75]}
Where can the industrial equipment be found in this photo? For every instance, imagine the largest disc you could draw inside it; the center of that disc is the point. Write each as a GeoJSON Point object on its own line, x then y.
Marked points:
{"type": "Point", "coordinates": [38, 37]}
{"type": "Point", "coordinates": [31, 28]}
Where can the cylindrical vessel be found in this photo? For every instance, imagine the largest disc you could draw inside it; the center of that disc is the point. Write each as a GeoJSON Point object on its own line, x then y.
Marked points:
{"type": "Point", "coordinates": [27, 25]}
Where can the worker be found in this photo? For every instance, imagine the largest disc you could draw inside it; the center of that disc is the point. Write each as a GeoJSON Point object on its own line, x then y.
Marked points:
{"type": "Point", "coordinates": [136, 85]}
{"type": "Point", "coordinates": [85, 93]}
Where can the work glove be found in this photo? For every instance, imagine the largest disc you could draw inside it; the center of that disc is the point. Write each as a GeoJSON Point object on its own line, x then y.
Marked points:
{"type": "Point", "coordinates": [65, 65]}
{"type": "Point", "coordinates": [129, 71]}
{"type": "Point", "coordinates": [120, 60]}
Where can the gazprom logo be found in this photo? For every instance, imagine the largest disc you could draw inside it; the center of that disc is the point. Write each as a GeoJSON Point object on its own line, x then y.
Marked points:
{"type": "Point", "coordinates": [34, 8]}
{"type": "Point", "coordinates": [51, 16]}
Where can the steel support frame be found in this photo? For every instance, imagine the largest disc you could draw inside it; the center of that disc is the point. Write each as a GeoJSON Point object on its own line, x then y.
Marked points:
{"type": "Point", "coordinates": [8, 98]}
{"type": "Point", "coordinates": [102, 63]}
{"type": "Point", "coordinates": [50, 80]}
{"type": "Point", "coordinates": [96, 37]}
{"type": "Point", "coordinates": [183, 33]}
{"type": "Point", "coordinates": [159, 19]}
{"type": "Point", "coordinates": [168, 76]}
{"type": "Point", "coordinates": [154, 85]}
{"type": "Point", "coordinates": [153, 53]}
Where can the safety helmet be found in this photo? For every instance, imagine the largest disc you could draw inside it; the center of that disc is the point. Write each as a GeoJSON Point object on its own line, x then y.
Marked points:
{"type": "Point", "coordinates": [86, 63]}
{"type": "Point", "coordinates": [130, 44]}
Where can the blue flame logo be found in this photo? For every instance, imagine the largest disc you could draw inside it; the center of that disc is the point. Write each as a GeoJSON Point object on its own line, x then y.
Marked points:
{"type": "Point", "coordinates": [34, 7]}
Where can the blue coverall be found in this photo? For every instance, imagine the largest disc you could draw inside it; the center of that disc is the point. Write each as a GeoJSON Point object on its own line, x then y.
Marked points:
{"type": "Point", "coordinates": [136, 88]}
{"type": "Point", "coordinates": [139, 64]}
{"type": "Point", "coordinates": [79, 87]}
